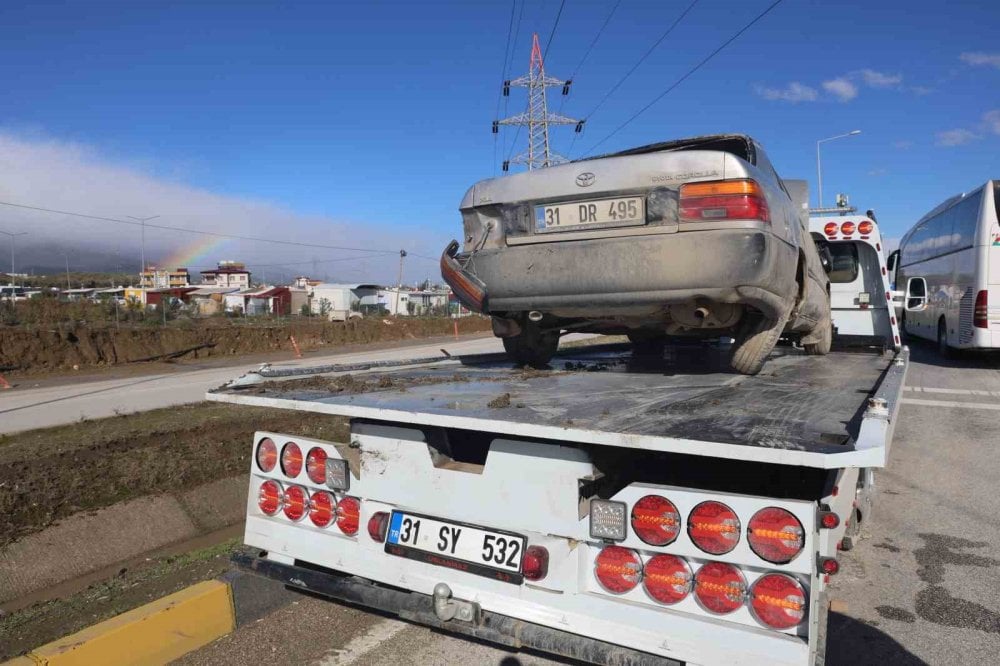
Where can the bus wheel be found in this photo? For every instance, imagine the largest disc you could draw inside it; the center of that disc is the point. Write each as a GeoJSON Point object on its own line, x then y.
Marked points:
{"type": "Point", "coordinates": [942, 340]}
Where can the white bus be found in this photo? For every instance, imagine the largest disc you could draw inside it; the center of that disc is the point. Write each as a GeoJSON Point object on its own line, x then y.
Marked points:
{"type": "Point", "coordinates": [949, 265]}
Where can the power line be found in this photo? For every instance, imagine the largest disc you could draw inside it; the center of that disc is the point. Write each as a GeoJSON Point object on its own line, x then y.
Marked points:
{"type": "Point", "coordinates": [503, 77]}
{"type": "Point", "coordinates": [642, 59]}
{"type": "Point", "coordinates": [197, 231]}
{"type": "Point", "coordinates": [687, 74]}
{"type": "Point", "coordinates": [590, 48]}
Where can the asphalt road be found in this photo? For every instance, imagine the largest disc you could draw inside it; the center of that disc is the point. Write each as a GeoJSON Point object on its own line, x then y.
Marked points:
{"type": "Point", "coordinates": [68, 400]}
{"type": "Point", "coordinates": [922, 587]}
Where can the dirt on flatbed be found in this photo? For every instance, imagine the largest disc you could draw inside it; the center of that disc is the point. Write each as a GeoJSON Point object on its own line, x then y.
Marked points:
{"type": "Point", "coordinates": [52, 473]}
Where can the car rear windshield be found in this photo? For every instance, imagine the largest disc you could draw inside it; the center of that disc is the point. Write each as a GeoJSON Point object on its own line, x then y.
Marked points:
{"type": "Point", "coordinates": [845, 262]}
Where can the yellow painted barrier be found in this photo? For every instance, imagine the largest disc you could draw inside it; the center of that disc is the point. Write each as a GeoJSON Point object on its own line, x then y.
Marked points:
{"type": "Point", "coordinates": [156, 633]}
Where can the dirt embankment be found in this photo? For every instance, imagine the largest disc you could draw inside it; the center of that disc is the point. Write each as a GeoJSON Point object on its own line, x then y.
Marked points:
{"type": "Point", "coordinates": [44, 350]}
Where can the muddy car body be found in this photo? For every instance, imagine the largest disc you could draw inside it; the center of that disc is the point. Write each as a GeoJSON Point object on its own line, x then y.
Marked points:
{"type": "Point", "coordinates": [698, 237]}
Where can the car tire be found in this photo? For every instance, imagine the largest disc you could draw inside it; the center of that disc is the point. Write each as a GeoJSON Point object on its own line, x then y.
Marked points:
{"type": "Point", "coordinates": [755, 340]}
{"type": "Point", "coordinates": [942, 340]}
{"type": "Point", "coordinates": [532, 346]}
{"type": "Point", "coordinates": [822, 348]}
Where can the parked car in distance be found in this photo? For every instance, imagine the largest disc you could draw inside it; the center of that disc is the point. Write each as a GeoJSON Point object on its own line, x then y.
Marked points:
{"type": "Point", "coordinates": [697, 237]}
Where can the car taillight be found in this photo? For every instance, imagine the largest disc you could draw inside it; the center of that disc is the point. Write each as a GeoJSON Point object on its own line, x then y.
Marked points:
{"type": "Point", "coordinates": [666, 578]}
{"type": "Point", "coordinates": [847, 228]}
{"type": "Point", "coordinates": [830, 228]}
{"type": "Point", "coordinates": [723, 200]}
{"type": "Point", "coordinates": [979, 314]}
{"type": "Point", "coordinates": [322, 506]}
{"type": "Point", "coordinates": [719, 588]}
{"type": "Point", "coordinates": [348, 515]}
{"type": "Point", "coordinates": [865, 227]}
{"type": "Point", "coordinates": [655, 520]}
{"type": "Point", "coordinates": [295, 502]}
{"type": "Point", "coordinates": [378, 525]}
{"type": "Point", "coordinates": [714, 527]}
{"type": "Point", "coordinates": [535, 564]}
{"type": "Point", "coordinates": [618, 569]}
{"type": "Point", "coordinates": [778, 601]}
{"type": "Point", "coordinates": [269, 497]}
{"type": "Point", "coordinates": [775, 535]}
{"type": "Point", "coordinates": [291, 460]}
{"type": "Point", "coordinates": [316, 465]}
{"type": "Point", "coordinates": [267, 454]}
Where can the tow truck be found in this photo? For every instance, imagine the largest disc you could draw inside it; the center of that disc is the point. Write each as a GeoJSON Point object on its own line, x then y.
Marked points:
{"type": "Point", "coordinates": [610, 509]}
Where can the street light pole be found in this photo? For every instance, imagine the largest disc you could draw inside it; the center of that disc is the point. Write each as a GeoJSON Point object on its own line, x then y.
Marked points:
{"type": "Point", "coordinates": [12, 237]}
{"type": "Point", "coordinates": [142, 243]}
{"type": "Point", "coordinates": [819, 168]}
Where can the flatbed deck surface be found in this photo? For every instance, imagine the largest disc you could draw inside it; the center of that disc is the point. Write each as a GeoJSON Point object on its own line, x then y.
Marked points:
{"type": "Point", "coordinates": [798, 403]}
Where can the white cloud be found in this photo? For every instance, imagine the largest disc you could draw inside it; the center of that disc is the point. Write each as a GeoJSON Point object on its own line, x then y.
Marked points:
{"type": "Point", "coordinates": [844, 90]}
{"type": "Point", "coordinates": [39, 171]}
{"type": "Point", "coordinates": [980, 58]}
{"type": "Point", "coordinates": [876, 79]}
{"type": "Point", "coordinates": [956, 137]}
{"type": "Point", "coordinates": [991, 119]}
{"type": "Point", "coordinates": [794, 92]}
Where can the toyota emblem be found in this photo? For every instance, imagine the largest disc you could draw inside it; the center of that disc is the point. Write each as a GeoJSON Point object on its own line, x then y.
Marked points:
{"type": "Point", "coordinates": [585, 179]}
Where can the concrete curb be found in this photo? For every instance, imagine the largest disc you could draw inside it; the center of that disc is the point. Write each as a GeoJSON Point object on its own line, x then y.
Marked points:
{"type": "Point", "coordinates": [168, 628]}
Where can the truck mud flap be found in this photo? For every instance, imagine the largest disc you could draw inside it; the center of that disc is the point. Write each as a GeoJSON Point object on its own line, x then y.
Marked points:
{"type": "Point", "coordinates": [419, 608]}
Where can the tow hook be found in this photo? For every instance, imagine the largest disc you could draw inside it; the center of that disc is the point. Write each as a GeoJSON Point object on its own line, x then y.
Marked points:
{"type": "Point", "coordinates": [447, 608]}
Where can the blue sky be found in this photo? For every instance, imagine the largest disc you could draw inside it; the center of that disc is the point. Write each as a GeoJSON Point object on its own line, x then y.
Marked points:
{"type": "Point", "coordinates": [377, 114]}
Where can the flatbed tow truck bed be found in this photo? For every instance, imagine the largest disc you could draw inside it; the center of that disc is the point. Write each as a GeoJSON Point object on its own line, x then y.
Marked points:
{"type": "Point", "coordinates": [801, 410]}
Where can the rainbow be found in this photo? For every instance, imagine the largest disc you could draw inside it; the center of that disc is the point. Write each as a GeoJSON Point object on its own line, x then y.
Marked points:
{"type": "Point", "coordinates": [194, 254]}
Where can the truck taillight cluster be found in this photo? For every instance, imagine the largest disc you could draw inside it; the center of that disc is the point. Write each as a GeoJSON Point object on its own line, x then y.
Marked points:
{"type": "Point", "coordinates": [296, 501]}
{"type": "Point", "coordinates": [864, 228]}
{"type": "Point", "coordinates": [722, 200]}
{"type": "Point", "coordinates": [776, 600]}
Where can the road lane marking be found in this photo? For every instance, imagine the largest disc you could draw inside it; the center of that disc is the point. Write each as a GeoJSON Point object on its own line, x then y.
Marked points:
{"type": "Point", "coordinates": [951, 391]}
{"type": "Point", "coordinates": [948, 403]}
{"type": "Point", "coordinates": [360, 646]}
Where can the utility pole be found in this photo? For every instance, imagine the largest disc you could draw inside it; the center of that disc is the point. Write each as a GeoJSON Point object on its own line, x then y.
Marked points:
{"type": "Point", "coordinates": [819, 168]}
{"type": "Point", "coordinates": [399, 282]}
{"type": "Point", "coordinates": [142, 243]}
{"type": "Point", "coordinates": [537, 118]}
{"type": "Point", "coordinates": [12, 237]}
{"type": "Point", "coordinates": [68, 287]}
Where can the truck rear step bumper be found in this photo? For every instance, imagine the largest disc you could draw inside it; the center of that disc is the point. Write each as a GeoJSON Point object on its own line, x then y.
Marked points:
{"type": "Point", "coordinates": [419, 608]}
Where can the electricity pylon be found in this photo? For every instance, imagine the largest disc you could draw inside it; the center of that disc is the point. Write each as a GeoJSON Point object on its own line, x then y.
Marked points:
{"type": "Point", "coordinates": [537, 118]}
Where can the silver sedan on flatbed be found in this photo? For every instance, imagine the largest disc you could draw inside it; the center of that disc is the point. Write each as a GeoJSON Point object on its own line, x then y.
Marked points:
{"type": "Point", "coordinates": [691, 238]}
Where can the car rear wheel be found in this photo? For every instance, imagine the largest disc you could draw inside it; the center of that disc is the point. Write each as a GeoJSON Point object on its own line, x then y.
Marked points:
{"type": "Point", "coordinates": [755, 340]}
{"type": "Point", "coordinates": [532, 346]}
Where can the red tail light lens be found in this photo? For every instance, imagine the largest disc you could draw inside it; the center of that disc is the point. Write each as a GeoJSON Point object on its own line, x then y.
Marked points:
{"type": "Point", "coordinates": [322, 506]}
{"type": "Point", "coordinates": [775, 535]}
{"type": "Point", "coordinates": [316, 465]}
{"type": "Point", "coordinates": [269, 497]}
{"type": "Point", "coordinates": [618, 569]}
{"type": "Point", "coordinates": [714, 527]}
{"type": "Point", "coordinates": [723, 200]}
{"type": "Point", "coordinates": [847, 228]}
{"type": "Point", "coordinates": [296, 502]}
{"type": "Point", "coordinates": [979, 314]}
{"type": "Point", "coordinates": [655, 520]}
{"type": "Point", "coordinates": [865, 227]}
{"type": "Point", "coordinates": [349, 515]}
{"type": "Point", "coordinates": [778, 601]}
{"type": "Point", "coordinates": [535, 565]}
{"type": "Point", "coordinates": [267, 454]}
{"type": "Point", "coordinates": [719, 588]}
{"type": "Point", "coordinates": [667, 579]}
{"type": "Point", "coordinates": [291, 460]}
{"type": "Point", "coordinates": [830, 228]}
{"type": "Point", "coordinates": [378, 525]}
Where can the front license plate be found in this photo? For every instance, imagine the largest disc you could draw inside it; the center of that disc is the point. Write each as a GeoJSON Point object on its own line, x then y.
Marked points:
{"type": "Point", "coordinates": [478, 550]}
{"type": "Point", "coordinates": [604, 212]}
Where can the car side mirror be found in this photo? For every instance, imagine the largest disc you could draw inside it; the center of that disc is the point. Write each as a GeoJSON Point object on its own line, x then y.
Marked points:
{"type": "Point", "coordinates": [891, 262]}
{"type": "Point", "coordinates": [916, 294]}
{"type": "Point", "coordinates": [825, 258]}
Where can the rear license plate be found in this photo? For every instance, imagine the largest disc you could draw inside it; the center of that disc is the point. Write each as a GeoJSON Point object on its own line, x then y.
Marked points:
{"type": "Point", "coordinates": [478, 550]}
{"type": "Point", "coordinates": [603, 213]}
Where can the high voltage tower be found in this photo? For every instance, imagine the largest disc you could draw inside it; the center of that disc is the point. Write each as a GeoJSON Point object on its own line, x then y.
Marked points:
{"type": "Point", "coordinates": [537, 118]}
